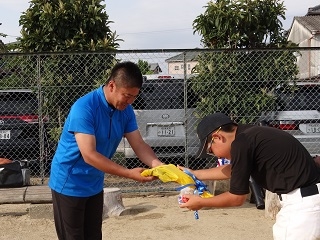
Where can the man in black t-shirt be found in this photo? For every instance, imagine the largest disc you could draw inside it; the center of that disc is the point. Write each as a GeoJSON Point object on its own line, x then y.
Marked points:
{"type": "Point", "coordinates": [275, 159]}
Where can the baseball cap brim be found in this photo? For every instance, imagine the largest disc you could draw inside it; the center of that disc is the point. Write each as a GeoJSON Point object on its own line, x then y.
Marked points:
{"type": "Point", "coordinates": [202, 151]}
{"type": "Point", "coordinates": [206, 126]}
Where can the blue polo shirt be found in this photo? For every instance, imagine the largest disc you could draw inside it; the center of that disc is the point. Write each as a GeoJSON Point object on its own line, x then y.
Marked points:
{"type": "Point", "coordinates": [91, 114]}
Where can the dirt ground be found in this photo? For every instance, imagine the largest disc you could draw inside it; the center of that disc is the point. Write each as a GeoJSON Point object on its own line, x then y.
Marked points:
{"type": "Point", "coordinates": [153, 217]}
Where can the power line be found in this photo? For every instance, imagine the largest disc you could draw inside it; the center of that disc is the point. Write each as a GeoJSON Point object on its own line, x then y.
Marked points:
{"type": "Point", "coordinates": [12, 36]}
{"type": "Point", "coordinates": [158, 31]}
{"type": "Point", "coordinates": [146, 32]}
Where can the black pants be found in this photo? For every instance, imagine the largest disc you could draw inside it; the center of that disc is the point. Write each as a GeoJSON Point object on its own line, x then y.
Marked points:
{"type": "Point", "coordinates": [78, 218]}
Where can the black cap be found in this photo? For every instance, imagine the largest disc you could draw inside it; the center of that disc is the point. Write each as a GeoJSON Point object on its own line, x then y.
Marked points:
{"type": "Point", "coordinates": [206, 126]}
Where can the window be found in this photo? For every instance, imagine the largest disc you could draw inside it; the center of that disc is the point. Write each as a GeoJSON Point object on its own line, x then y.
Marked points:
{"type": "Point", "coordinates": [18, 103]}
{"type": "Point", "coordinates": [164, 95]}
{"type": "Point", "coordinates": [176, 67]}
{"type": "Point", "coordinates": [304, 97]}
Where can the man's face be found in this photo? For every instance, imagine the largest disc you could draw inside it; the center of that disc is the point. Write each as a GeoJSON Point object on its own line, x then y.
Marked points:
{"type": "Point", "coordinates": [218, 145]}
{"type": "Point", "coordinates": [121, 97]}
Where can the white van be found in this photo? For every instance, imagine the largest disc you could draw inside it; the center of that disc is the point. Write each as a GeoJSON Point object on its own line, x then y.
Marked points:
{"type": "Point", "coordinates": [165, 112]}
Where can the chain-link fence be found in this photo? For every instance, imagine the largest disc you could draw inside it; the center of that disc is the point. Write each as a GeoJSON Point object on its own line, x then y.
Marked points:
{"type": "Point", "coordinates": [279, 88]}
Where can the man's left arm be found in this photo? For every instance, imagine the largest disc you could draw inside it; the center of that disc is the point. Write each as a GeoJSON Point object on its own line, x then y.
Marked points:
{"type": "Point", "coordinates": [142, 149]}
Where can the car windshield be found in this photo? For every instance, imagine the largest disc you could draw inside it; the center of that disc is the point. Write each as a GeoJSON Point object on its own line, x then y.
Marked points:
{"type": "Point", "coordinates": [163, 94]}
{"type": "Point", "coordinates": [18, 103]}
{"type": "Point", "coordinates": [302, 97]}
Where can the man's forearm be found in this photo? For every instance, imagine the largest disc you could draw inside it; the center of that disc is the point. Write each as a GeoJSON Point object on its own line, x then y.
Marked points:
{"type": "Point", "coordinates": [216, 173]}
{"type": "Point", "coordinates": [147, 156]}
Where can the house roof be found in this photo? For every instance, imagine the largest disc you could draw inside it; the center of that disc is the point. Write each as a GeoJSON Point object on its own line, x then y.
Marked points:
{"type": "Point", "coordinates": [311, 22]}
{"type": "Point", "coordinates": [314, 10]}
{"type": "Point", "coordinates": [153, 66]}
{"type": "Point", "coordinates": [189, 56]}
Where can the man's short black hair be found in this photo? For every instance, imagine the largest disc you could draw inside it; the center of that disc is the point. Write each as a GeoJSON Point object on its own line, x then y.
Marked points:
{"type": "Point", "coordinates": [126, 74]}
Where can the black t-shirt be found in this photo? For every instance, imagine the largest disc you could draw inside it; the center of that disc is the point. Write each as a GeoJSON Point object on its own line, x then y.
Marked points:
{"type": "Point", "coordinates": [275, 159]}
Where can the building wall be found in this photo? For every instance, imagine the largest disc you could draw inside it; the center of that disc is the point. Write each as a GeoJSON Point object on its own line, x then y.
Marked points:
{"type": "Point", "coordinates": [178, 67]}
{"type": "Point", "coordinates": [307, 61]}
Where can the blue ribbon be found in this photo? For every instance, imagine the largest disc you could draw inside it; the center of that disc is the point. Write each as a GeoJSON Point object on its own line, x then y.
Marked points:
{"type": "Point", "coordinates": [200, 187]}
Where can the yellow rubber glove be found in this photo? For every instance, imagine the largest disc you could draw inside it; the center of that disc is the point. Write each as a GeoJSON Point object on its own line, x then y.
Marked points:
{"type": "Point", "coordinates": [206, 194]}
{"type": "Point", "coordinates": [171, 173]}
{"type": "Point", "coordinates": [168, 173]}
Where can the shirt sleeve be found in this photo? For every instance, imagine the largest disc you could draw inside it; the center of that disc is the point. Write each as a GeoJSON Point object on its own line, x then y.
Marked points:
{"type": "Point", "coordinates": [81, 119]}
{"type": "Point", "coordinates": [132, 121]}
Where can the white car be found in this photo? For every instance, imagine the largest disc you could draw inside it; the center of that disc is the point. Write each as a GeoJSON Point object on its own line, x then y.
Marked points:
{"type": "Point", "coordinates": [165, 113]}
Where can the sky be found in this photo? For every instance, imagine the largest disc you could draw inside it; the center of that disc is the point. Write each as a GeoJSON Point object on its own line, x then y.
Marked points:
{"type": "Point", "coordinates": [146, 24]}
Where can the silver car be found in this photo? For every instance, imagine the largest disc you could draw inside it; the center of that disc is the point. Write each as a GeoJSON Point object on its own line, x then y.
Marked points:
{"type": "Point", "coordinates": [165, 113]}
{"type": "Point", "coordinates": [299, 113]}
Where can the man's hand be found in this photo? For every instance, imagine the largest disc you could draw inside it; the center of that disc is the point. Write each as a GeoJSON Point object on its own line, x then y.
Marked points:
{"type": "Point", "coordinates": [192, 202]}
{"type": "Point", "coordinates": [135, 174]}
{"type": "Point", "coordinates": [184, 168]}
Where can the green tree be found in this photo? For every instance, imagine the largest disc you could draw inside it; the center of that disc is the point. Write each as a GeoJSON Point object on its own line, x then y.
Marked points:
{"type": "Point", "coordinates": [3, 48]}
{"type": "Point", "coordinates": [57, 29]}
{"type": "Point", "coordinates": [66, 25]}
{"type": "Point", "coordinates": [144, 67]}
{"type": "Point", "coordinates": [241, 24]}
{"type": "Point", "coordinates": [241, 67]}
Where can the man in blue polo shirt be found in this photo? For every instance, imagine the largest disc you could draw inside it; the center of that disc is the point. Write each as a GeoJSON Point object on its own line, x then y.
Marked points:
{"type": "Point", "coordinates": [91, 134]}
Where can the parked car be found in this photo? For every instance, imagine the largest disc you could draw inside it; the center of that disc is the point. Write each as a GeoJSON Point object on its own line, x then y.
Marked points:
{"type": "Point", "coordinates": [165, 113]}
{"type": "Point", "coordinates": [21, 137]}
{"type": "Point", "coordinates": [298, 113]}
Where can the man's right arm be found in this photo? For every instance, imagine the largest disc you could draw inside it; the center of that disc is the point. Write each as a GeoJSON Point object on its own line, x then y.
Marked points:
{"type": "Point", "coordinates": [87, 146]}
{"type": "Point", "coordinates": [217, 173]}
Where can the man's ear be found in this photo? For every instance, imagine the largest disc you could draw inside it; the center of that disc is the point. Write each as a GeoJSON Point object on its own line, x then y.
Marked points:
{"type": "Point", "coordinates": [111, 85]}
{"type": "Point", "coordinates": [219, 137]}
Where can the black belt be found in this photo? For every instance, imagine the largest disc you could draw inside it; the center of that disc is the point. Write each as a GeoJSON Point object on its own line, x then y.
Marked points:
{"type": "Point", "coordinates": [307, 191]}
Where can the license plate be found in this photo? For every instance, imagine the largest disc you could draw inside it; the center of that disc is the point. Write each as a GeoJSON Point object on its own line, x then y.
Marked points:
{"type": "Point", "coordinates": [313, 128]}
{"type": "Point", "coordinates": [166, 131]}
{"type": "Point", "coordinates": [5, 134]}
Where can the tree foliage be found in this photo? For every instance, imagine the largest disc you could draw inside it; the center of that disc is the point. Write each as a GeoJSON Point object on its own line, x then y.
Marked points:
{"type": "Point", "coordinates": [66, 25]}
{"type": "Point", "coordinates": [144, 67]}
{"type": "Point", "coordinates": [240, 83]}
{"type": "Point", "coordinates": [3, 48]}
{"type": "Point", "coordinates": [240, 31]}
{"type": "Point", "coordinates": [61, 26]}
{"type": "Point", "coordinates": [241, 24]}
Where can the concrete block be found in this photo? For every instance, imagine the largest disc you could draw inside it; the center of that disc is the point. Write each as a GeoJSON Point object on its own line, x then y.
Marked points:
{"type": "Point", "coordinates": [218, 187]}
